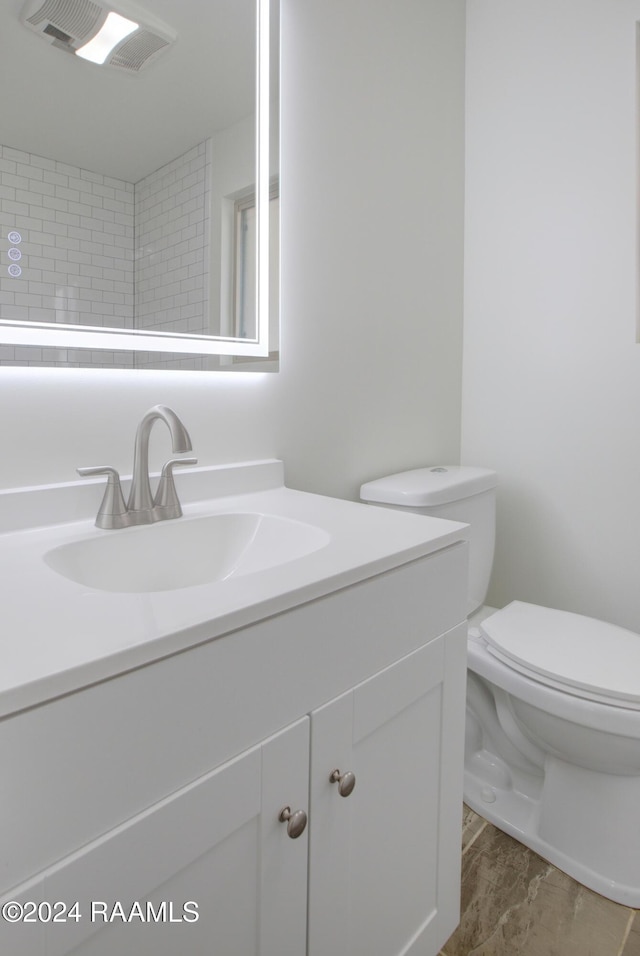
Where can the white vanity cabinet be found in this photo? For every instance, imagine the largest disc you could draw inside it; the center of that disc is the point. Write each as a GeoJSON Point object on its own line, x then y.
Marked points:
{"type": "Point", "coordinates": [164, 785]}
{"type": "Point", "coordinates": [383, 875]}
{"type": "Point", "coordinates": [210, 866]}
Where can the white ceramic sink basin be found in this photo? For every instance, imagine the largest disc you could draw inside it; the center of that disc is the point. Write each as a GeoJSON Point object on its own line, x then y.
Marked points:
{"type": "Point", "coordinates": [185, 552]}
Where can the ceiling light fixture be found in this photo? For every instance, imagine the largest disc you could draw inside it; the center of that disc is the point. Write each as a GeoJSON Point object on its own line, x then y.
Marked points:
{"type": "Point", "coordinates": [114, 29]}
{"type": "Point", "coordinates": [129, 37]}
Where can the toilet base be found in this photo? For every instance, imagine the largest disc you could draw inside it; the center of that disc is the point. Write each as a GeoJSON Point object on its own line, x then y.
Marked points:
{"type": "Point", "coordinates": [587, 839]}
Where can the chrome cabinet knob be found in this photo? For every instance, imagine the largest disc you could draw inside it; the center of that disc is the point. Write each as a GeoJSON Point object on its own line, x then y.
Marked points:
{"type": "Point", "coordinates": [296, 821]}
{"type": "Point", "coordinates": [346, 782]}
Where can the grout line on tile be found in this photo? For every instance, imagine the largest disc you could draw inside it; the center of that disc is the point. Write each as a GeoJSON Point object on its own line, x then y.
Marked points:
{"type": "Point", "coordinates": [475, 837]}
{"type": "Point", "coordinates": [632, 914]}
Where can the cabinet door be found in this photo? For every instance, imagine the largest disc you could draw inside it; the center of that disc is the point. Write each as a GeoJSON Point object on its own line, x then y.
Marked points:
{"type": "Point", "coordinates": [215, 849]}
{"type": "Point", "coordinates": [385, 860]}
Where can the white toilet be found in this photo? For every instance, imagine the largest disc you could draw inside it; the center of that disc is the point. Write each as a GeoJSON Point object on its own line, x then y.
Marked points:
{"type": "Point", "coordinates": [553, 705]}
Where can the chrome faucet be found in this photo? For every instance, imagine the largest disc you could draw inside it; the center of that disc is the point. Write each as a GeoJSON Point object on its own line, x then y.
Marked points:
{"type": "Point", "coordinates": [141, 504]}
{"type": "Point", "coordinates": [142, 507]}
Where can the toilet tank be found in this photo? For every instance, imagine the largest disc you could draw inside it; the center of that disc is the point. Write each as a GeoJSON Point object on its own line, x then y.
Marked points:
{"type": "Point", "coordinates": [459, 492]}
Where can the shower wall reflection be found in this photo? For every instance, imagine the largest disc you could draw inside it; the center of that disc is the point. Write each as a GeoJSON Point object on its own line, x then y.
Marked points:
{"type": "Point", "coordinates": [99, 251]}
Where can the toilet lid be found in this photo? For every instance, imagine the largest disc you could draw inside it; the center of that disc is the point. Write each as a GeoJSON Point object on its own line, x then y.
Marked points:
{"type": "Point", "coordinates": [588, 657]}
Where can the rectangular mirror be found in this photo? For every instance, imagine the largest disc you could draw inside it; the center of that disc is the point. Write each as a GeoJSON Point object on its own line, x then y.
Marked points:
{"type": "Point", "coordinates": [139, 199]}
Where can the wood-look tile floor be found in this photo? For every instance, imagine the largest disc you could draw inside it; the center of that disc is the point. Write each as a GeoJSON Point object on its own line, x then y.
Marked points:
{"type": "Point", "coordinates": [516, 904]}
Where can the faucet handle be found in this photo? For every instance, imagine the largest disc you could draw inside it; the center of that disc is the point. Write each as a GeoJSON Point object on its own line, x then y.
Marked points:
{"type": "Point", "coordinates": [112, 512]}
{"type": "Point", "coordinates": [165, 503]}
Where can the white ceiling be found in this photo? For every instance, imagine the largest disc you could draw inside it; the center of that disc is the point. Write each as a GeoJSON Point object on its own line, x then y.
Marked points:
{"type": "Point", "coordinates": [105, 120]}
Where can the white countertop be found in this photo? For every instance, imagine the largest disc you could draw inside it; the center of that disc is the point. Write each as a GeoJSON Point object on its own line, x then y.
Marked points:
{"type": "Point", "coordinates": [59, 636]}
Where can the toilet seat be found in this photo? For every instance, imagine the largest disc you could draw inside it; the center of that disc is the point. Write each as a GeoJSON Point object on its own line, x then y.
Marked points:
{"type": "Point", "coordinates": [573, 653]}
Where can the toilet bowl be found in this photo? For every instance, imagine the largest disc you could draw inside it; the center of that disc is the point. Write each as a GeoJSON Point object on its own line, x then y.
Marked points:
{"type": "Point", "coordinates": [552, 751]}
{"type": "Point", "coordinates": [553, 758]}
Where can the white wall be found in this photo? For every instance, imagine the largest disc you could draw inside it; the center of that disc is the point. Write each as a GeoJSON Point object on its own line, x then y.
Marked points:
{"type": "Point", "coordinates": [372, 160]}
{"type": "Point", "coordinates": [551, 395]}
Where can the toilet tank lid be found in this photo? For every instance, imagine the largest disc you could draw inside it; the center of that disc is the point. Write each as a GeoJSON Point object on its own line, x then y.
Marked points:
{"type": "Point", "coordinates": [424, 487]}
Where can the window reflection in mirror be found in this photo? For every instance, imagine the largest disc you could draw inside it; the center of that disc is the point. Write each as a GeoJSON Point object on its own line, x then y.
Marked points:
{"type": "Point", "coordinates": [244, 263]}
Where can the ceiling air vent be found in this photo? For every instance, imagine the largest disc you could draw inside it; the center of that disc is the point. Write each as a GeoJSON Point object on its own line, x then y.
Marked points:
{"type": "Point", "coordinates": [137, 50]}
{"type": "Point", "coordinates": [71, 24]}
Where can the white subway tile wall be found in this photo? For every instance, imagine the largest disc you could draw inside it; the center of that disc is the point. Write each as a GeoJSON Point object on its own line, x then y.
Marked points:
{"type": "Point", "coordinates": [103, 252]}
{"type": "Point", "coordinates": [76, 250]}
{"type": "Point", "coordinates": [172, 253]}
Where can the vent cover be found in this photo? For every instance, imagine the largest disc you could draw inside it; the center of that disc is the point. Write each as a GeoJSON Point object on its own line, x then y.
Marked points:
{"type": "Point", "coordinates": [137, 50]}
{"type": "Point", "coordinates": [77, 20]}
{"type": "Point", "coordinates": [69, 24]}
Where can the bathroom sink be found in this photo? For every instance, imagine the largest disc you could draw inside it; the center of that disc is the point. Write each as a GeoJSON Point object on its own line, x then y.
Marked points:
{"type": "Point", "coordinates": [185, 552]}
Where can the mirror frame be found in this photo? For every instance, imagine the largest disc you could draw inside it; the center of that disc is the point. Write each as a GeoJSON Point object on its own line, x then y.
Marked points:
{"type": "Point", "coordinates": [15, 332]}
